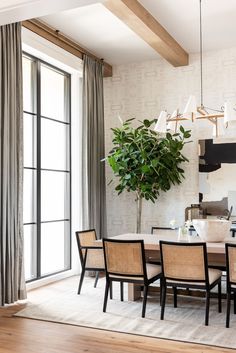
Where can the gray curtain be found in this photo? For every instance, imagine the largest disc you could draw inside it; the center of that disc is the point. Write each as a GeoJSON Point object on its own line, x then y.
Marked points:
{"type": "Point", "coordinates": [93, 170]}
{"type": "Point", "coordinates": [12, 284]}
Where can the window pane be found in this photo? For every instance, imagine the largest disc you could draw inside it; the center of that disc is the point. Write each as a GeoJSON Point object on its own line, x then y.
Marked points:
{"type": "Point", "coordinates": [29, 209]}
{"type": "Point", "coordinates": [54, 148]}
{"type": "Point", "coordinates": [29, 140]}
{"type": "Point", "coordinates": [55, 236]}
{"type": "Point", "coordinates": [53, 94]}
{"type": "Point", "coordinates": [29, 84]}
{"type": "Point", "coordinates": [55, 198]}
{"type": "Point", "coordinates": [30, 251]}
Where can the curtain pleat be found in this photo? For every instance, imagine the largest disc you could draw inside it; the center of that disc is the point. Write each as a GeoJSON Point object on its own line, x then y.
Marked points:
{"type": "Point", "coordinates": [93, 151]}
{"type": "Point", "coordinates": [12, 282]}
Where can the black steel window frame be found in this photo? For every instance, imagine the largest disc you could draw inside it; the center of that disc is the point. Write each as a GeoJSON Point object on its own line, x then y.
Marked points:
{"type": "Point", "coordinates": [38, 168]}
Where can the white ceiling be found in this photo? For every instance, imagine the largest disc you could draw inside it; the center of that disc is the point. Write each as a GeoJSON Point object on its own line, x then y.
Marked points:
{"type": "Point", "coordinates": [97, 29]}
{"type": "Point", "coordinates": [102, 33]}
{"type": "Point", "coordinates": [181, 20]}
{"type": "Point", "coordinates": [20, 10]}
{"type": "Point", "coordinates": [89, 23]}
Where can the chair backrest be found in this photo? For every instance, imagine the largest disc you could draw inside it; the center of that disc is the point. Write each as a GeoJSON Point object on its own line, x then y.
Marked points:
{"type": "Point", "coordinates": [124, 258]}
{"type": "Point", "coordinates": [154, 230]}
{"type": "Point", "coordinates": [230, 250]}
{"type": "Point", "coordinates": [184, 261]}
{"type": "Point", "coordinates": [85, 238]}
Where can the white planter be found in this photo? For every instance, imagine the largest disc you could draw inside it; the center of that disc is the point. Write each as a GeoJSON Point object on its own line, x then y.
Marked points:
{"type": "Point", "coordinates": [212, 230]}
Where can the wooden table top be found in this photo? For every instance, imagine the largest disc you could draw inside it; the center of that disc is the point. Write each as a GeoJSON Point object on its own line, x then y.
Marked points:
{"type": "Point", "coordinates": [151, 241]}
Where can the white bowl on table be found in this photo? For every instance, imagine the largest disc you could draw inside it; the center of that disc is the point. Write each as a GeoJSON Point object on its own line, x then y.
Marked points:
{"type": "Point", "coordinates": [212, 230]}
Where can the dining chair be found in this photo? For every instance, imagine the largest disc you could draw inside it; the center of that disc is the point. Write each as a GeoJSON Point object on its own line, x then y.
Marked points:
{"type": "Point", "coordinates": [230, 251]}
{"type": "Point", "coordinates": [149, 258]}
{"type": "Point", "coordinates": [125, 263]}
{"type": "Point", "coordinates": [91, 256]}
{"type": "Point", "coordinates": [154, 230]}
{"type": "Point", "coordinates": [184, 265]}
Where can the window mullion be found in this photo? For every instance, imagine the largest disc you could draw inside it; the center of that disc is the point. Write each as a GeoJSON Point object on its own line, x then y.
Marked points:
{"type": "Point", "coordinates": [38, 100]}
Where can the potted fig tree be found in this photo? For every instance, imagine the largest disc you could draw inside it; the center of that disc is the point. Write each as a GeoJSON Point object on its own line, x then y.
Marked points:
{"type": "Point", "coordinates": [146, 162]}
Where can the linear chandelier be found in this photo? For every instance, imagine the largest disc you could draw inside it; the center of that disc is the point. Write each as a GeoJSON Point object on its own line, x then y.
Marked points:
{"type": "Point", "coordinates": [221, 119]}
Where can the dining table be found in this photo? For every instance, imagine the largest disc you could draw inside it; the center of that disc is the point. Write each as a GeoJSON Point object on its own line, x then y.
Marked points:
{"type": "Point", "coordinates": [215, 251]}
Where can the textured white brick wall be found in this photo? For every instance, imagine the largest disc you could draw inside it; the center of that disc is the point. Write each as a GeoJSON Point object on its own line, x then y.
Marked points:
{"type": "Point", "coordinates": [141, 90]}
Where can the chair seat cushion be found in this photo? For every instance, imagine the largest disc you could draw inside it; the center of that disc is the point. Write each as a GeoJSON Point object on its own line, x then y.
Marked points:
{"type": "Point", "coordinates": [214, 274]}
{"type": "Point", "coordinates": [152, 271]}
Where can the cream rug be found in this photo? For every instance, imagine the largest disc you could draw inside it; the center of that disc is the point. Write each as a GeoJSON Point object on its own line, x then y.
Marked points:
{"type": "Point", "coordinates": [58, 302]}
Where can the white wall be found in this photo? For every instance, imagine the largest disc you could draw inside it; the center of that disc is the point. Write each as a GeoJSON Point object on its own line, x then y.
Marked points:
{"type": "Point", "coordinates": [141, 90]}
{"type": "Point", "coordinates": [217, 184]}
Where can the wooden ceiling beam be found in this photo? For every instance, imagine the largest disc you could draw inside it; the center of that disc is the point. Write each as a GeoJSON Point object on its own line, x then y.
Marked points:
{"type": "Point", "coordinates": [62, 41]}
{"type": "Point", "coordinates": [135, 16]}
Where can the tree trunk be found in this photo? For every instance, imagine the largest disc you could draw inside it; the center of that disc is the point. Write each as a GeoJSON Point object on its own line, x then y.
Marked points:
{"type": "Point", "coordinates": [139, 213]}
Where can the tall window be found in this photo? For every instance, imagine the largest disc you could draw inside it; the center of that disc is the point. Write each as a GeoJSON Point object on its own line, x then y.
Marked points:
{"type": "Point", "coordinates": [47, 174]}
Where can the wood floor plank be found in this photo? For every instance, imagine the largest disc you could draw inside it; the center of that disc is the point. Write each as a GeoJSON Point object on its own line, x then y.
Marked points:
{"type": "Point", "coordinates": [33, 336]}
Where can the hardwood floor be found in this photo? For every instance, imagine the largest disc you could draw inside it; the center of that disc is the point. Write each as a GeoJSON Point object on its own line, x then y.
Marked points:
{"type": "Point", "coordinates": [32, 336]}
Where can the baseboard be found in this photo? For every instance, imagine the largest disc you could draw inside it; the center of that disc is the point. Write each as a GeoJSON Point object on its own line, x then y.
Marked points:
{"type": "Point", "coordinates": [51, 279]}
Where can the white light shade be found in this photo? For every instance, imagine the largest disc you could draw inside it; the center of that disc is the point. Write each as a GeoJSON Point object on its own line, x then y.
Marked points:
{"type": "Point", "coordinates": [220, 128]}
{"type": "Point", "coordinates": [161, 122]}
{"type": "Point", "coordinates": [191, 106]}
{"type": "Point", "coordinates": [229, 114]}
{"type": "Point", "coordinates": [174, 114]}
{"type": "Point", "coordinates": [172, 124]}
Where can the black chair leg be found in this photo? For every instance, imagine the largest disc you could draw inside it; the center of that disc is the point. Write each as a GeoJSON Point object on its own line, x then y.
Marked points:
{"type": "Point", "coordinates": [106, 296]}
{"type": "Point", "coordinates": [163, 300]}
{"type": "Point", "coordinates": [145, 292]}
{"type": "Point", "coordinates": [234, 302]}
{"type": "Point", "coordinates": [207, 307]}
{"type": "Point", "coordinates": [96, 279]}
{"type": "Point", "coordinates": [175, 296]}
{"type": "Point", "coordinates": [122, 291]}
{"type": "Point", "coordinates": [111, 290]}
{"type": "Point", "coordinates": [161, 287]}
{"type": "Point", "coordinates": [228, 309]}
{"type": "Point", "coordinates": [81, 280]}
{"type": "Point", "coordinates": [219, 297]}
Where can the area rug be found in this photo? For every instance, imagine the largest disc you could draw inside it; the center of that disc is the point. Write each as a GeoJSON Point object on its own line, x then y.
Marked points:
{"type": "Point", "coordinates": [59, 302]}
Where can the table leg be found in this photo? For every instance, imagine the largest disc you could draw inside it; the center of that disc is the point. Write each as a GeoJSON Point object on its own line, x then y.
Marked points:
{"type": "Point", "coordinates": [134, 292]}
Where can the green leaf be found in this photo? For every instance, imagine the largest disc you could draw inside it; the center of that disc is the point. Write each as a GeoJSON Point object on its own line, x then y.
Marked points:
{"type": "Point", "coordinates": [127, 176]}
{"type": "Point", "coordinates": [145, 169]}
{"type": "Point", "coordinates": [154, 162]}
{"type": "Point", "coordinates": [128, 120]}
{"type": "Point", "coordinates": [146, 123]}
{"type": "Point", "coordinates": [145, 162]}
{"type": "Point", "coordinates": [168, 136]}
{"type": "Point", "coordinates": [187, 135]}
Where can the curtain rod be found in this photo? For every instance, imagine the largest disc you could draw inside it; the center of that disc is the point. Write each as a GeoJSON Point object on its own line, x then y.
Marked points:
{"type": "Point", "coordinates": [64, 42]}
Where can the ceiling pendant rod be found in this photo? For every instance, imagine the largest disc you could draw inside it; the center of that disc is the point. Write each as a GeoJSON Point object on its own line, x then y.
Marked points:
{"type": "Point", "coordinates": [228, 113]}
{"type": "Point", "coordinates": [200, 33]}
